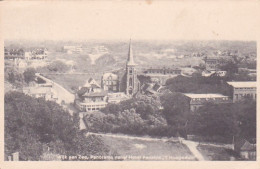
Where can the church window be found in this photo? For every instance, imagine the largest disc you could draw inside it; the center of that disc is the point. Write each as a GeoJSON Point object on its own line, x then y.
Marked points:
{"type": "Point", "coordinates": [130, 81]}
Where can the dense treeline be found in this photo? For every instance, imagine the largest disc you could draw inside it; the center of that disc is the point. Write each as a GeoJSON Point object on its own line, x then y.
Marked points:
{"type": "Point", "coordinates": [34, 127]}
{"type": "Point", "coordinates": [222, 122]}
{"type": "Point", "coordinates": [140, 116]}
{"type": "Point", "coordinates": [199, 84]}
{"type": "Point", "coordinates": [212, 122]}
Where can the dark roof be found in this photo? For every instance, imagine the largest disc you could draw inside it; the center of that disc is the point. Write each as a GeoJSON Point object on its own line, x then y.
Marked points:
{"type": "Point", "coordinates": [248, 147]}
{"type": "Point", "coordinates": [83, 90]}
{"type": "Point", "coordinates": [90, 79]}
{"type": "Point", "coordinates": [156, 87]}
{"type": "Point", "coordinates": [244, 145]}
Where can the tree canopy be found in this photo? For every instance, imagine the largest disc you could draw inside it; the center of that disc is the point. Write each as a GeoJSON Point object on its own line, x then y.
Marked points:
{"type": "Point", "coordinates": [32, 124]}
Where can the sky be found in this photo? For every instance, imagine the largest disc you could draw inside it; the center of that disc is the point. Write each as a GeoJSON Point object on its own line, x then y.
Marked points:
{"type": "Point", "coordinates": [175, 20]}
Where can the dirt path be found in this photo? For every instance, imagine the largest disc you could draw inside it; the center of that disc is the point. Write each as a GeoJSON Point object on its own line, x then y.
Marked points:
{"type": "Point", "coordinates": [193, 148]}
{"type": "Point", "coordinates": [130, 137]}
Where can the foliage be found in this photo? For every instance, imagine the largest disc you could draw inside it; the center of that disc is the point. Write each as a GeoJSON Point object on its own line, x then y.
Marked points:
{"type": "Point", "coordinates": [199, 84]}
{"type": "Point", "coordinates": [14, 76]}
{"type": "Point", "coordinates": [176, 110]}
{"type": "Point", "coordinates": [134, 116]}
{"type": "Point", "coordinates": [225, 120]}
{"type": "Point", "coordinates": [29, 75]}
{"type": "Point", "coordinates": [144, 79]}
{"type": "Point", "coordinates": [32, 124]}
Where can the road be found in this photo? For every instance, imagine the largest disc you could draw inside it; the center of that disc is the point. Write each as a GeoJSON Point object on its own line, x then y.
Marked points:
{"type": "Point", "coordinates": [193, 148]}
{"type": "Point", "coordinates": [63, 94]}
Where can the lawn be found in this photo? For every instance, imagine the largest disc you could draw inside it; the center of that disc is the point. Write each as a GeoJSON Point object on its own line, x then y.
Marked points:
{"type": "Point", "coordinates": [213, 153]}
{"type": "Point", "coordinates": [72, 81]}
{"type": "Point", "coordinates": [147, 150]}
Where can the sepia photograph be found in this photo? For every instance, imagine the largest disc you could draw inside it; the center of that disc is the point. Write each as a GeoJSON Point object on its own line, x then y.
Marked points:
{"type": "Point", "coordinates": [121, 81]}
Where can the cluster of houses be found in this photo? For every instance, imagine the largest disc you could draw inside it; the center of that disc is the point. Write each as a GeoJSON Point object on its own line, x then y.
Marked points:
{"type": "Point", "coordinates": [20, 57]}
{"type": "Point", "coordinates": [36, 53]}
{"type": "Point", "coordinates": [40, 89]}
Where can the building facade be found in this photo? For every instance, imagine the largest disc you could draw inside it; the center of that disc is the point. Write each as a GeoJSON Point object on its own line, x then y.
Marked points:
{"type": "Point", "coordinates": [211, 63]}
{"type": "Point", "coordinates": [163, 71]}
{"type": "Point", "coordinates": [48, 93]}
{"type": "Point", "coordinates": [110, 82]}
{"type": "Point", "coordinates": [198, 100]}
{"type": "Point", "coordinates": [243, 90]}
{"type": "Point", "coordinates": [91, 97]}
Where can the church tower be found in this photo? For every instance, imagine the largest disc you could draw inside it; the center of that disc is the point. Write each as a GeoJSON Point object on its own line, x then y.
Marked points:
{"type": "Point", "coordinates": [132, 83]}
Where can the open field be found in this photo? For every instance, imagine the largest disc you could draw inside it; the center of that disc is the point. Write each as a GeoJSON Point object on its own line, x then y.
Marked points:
{"type": "Point", "coordinates": [70, 81]}
{"type": "Point", "coordinates": [148, 150]}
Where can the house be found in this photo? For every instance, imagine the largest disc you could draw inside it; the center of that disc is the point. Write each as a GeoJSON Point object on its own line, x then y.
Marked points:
{"type": "Point", "coordinates": [243, 90]}
{"type": "Point", "coordinates": [20, 63]}
{"type": "Point", "coordinates": [48, 93]}
{"type": "Point", "coordinates": [14, 53]}
{"type": "Point", "coordinates": [207, 73]}
{"type": "Point", "coordinates": [91, 97]}
{"type": "Point", "coordinates": [211, 63]}
{"type": "Point", "coordinates": [245, 149]}
{"type": "Point", "coordinates": [117, 97]}
{"type": "Point", "coordinates": [150, 88]}
{"type": "Point", "coordinates": [73, 49]}
{"type": "Point", "coordinates": [110, 82]}
{"type": "Point", "coordinates": [198, 100]}
{"type": "Point", "coordinates": [163, 71]}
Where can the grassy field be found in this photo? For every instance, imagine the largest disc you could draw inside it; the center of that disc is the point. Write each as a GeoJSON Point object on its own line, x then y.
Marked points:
{"type": "Point", "coordinates": [70, 81]}
{"type": "Point", "coordinates": [147, 150]}
{"type": "Point", "coordinates": [213, 153]}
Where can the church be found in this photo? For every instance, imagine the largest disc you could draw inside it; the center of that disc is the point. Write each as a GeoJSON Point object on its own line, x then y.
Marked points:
{"type": "Point", "coordinates": [123, 81]}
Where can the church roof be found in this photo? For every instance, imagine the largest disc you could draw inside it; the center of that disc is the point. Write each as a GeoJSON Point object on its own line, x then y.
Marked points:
{"type": "Point", "coordinates": [130, 60]}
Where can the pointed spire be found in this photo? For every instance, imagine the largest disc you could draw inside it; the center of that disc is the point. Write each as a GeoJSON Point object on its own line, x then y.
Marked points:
{"type": "Point", "coordinates": [130, 60]}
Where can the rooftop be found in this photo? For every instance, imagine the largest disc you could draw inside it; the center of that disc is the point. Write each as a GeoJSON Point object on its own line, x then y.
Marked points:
{"type": "Point", "coordinates": [207, 95]}
{"type": "Point", "coordinates": [243, 84]}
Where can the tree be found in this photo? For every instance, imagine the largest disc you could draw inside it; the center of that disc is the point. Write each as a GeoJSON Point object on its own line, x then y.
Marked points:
{"type": "Point", "coordinates": [29, 75]}
{"type": "Point", "coordinates": [225, 120]}
{"type": "Point", "coordinates": [176, 110]}
{"type": "Point", "coordinates": [32, 124]}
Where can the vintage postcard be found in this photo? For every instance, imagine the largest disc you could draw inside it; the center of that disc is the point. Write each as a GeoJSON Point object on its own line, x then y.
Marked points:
{"type": "Point", "coordinates": [129, 84]}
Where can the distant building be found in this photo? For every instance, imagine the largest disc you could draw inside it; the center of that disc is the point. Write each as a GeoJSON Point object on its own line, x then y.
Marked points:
{"type": "Point", "coordinates": [245, 149]}
{"type": "Point", "coordinates": [211, 63]}
{"type": "Point", "coordinates": [39, 53]}
{"type": "Point", "coordinates": [117, 97]}
{"type": "Point", "coordinates": [110, 82]}
{"type": "Point", "coordinates": [163, 71]}
{"type": "Point", "coordinates": [150, 88]}
{"type": "Point", "coordinates": [243, 90]}
{"type": "Point", "coordinates": [14, 54]}
{"type": "Point", "coordinates": [197, 100]}
{"type": "Point", "coordinates": [73, 49]}
{"type": "Point", "coordinates": [20, 63]}
{"type": "Point", "coordinates": [91, 97]}
{"type": "Point", "coordinates": [207, 73]}
{"type": "Point", "coordinates": [48, 93]}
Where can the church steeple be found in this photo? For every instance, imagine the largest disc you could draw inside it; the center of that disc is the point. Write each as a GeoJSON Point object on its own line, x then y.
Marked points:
{"type": "Point", "coordinates": [132, 83]}
{"type": "Point", "coordinates": [130, 59]}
